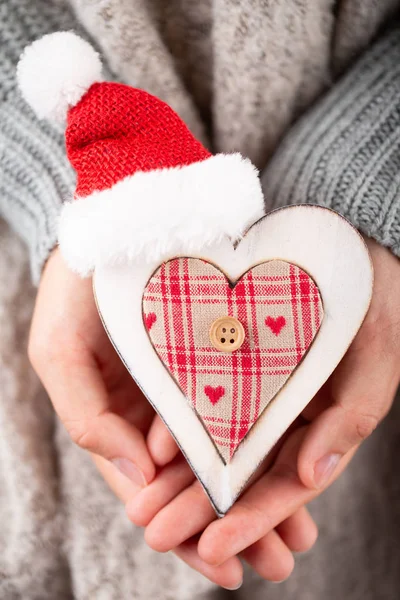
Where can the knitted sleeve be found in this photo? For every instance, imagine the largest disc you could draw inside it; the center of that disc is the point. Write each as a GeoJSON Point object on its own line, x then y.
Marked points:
{"type": "Point", "coordinates": [35, 175]}
{"type": "Point", "coordinates": [345, 152]}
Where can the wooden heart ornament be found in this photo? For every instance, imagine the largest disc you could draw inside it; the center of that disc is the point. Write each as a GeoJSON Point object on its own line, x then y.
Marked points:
{"type": "Point", "coordinates": [230, 346]}
{"type": "Point", "coordinates": [228, 343]}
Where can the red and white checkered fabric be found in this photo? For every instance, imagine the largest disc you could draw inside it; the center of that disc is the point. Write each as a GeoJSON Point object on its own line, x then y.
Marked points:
{"type": "Point", "coordinates": [280, 308]}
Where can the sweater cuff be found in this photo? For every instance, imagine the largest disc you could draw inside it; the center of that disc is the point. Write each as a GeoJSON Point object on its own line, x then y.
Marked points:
{"type": "Point", "coordinates": [35, 178]}
{"type": "Point", "coordinates": [345, 153]}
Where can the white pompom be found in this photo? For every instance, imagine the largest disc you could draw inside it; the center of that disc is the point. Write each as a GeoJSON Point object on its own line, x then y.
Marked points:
{"type": "Point", "coordinates": [55, 71]}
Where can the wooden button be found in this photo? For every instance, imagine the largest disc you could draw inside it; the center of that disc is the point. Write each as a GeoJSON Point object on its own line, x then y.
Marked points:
{"type": "Point", "coordinates": [227, 334]}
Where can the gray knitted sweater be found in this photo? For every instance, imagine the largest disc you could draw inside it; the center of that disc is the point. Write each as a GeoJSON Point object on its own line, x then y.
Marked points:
{"type": "Point", "coordinates": [240, 74]}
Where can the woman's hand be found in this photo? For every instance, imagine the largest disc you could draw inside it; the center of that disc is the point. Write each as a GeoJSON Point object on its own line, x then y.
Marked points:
{"type": "Point", "coordinates": [91, 390]}
{"type": "Point", "coordinates": [346, 410]}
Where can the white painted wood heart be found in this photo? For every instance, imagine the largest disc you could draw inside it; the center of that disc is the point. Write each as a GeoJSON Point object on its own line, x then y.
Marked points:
{"type": "Point", "coordinates": [323, 245]}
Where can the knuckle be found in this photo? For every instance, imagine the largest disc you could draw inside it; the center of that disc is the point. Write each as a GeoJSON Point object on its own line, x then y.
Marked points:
{"type": "Point", "coordinates": [362, 422]}
{"type": "Point", "coordinates": [81, 434]}
{"type": "Point", "coordinates": [46, 348]}
{"type": "Point", "coordinates": [86, 432]}
{"type": "Point", "coordinates": [365, 425]}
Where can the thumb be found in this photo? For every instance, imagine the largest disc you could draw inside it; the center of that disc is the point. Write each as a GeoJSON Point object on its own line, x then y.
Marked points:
{"type": "Point", "coordinates": [361, 391]}
{"type": "Point", "coordinates": [81, 400]}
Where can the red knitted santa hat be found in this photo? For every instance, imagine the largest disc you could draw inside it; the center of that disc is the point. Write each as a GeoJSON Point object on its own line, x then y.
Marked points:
{"type": "Point", "coordinates": [145, 185]}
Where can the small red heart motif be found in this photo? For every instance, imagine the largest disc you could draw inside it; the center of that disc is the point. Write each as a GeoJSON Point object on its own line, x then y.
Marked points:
{"type": "Point", "coordinates": [149, 320]}
{"type": "Point", "coordinates": [275, 325]}
{"type": "Point", "coordinates": [214, 393]}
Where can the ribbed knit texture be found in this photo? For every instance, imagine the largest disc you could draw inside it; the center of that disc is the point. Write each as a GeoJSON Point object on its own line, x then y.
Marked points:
{"type": "Point", "coordinates": [34, 178]}
{"type": "Point", "coordinates": [345, 153]}
{"type": "Point", "coordinates": [34, 174]}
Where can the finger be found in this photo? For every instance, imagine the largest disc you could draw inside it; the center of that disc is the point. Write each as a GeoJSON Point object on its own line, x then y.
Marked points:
{"type": "Point", "coordinates": [160, 442]}
{"type": "Point", "coordinates": [363, 386]}
{"type": "Point", "coordinates": [163, 503]}
{"type": "Point", "coordinates": [81, 400]}
{"type": "Point", "coordinates": [299, 531]}
{"type": "Point", "coordinates": [173, 478]}
{"type": "Point", "coordinates": [361, 393]}
{"type": "Point", "coordinates": [181, 519]}
{"type": "Point", "coordinates": [229, 575]}
{"type": "Point", "coordinates": [122, 487]}
{"type": "Point", "coordinates": [271, 500]}
{"type": "Point", "coordinates": [270, 557]}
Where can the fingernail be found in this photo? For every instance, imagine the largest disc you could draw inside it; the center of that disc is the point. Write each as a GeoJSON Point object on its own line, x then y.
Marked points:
{"type": "Point", "coordinates": [127, 468]}
{"type": "Point", "coordinates": [325, 467]}
{"type": "Point", "coordinates": [232, 589]}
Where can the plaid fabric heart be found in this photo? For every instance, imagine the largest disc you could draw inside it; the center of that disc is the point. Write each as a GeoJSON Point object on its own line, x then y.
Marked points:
{"type": "Point", "coordinates": [280, 308]}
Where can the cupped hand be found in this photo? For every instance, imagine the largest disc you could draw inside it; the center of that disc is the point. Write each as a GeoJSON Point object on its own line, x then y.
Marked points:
{"type": "Point", "coordinates": [346, 410]}
{"type": "Point", "coordinates": [96, 398]}
{"type": "Point", "coordinates": [271, 556]}
{"type": "Point", "coordinates": [92, 392]}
